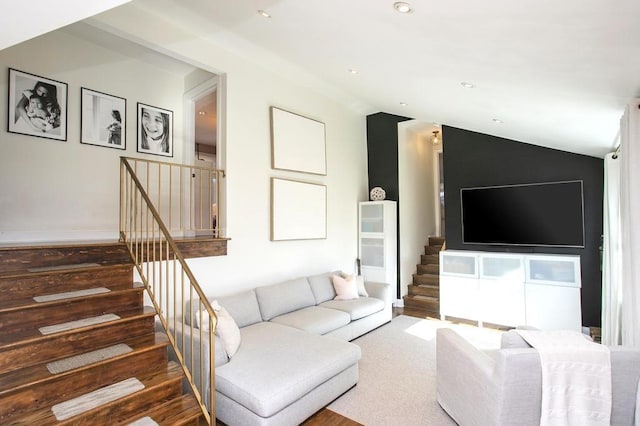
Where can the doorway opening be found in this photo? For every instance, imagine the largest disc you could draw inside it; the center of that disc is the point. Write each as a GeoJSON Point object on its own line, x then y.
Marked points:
{"type": "Point", "coordinates": [203, 113]}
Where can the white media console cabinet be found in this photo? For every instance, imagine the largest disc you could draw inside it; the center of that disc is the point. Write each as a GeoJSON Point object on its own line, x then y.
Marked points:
{"type": "Point", "coordinates": [508, 289]}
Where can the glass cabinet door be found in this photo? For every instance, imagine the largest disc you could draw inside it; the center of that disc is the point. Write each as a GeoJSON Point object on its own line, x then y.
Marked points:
{"type": "Point", "coordinates": [371, 218]}
{"type": "Point", "coordinates": [372, 252]}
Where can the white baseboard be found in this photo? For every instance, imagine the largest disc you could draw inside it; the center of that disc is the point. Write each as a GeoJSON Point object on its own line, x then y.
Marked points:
{"type": "Point", "coordinates": [399, 303]}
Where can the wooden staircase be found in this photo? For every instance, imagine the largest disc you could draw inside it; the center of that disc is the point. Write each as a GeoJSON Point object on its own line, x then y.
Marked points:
{"type": "Point", "coordinates": [424, 292]}
{"type": "Point", "coordinates": [72, 322]}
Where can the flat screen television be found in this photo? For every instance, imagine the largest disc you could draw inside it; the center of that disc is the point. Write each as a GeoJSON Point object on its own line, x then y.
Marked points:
{"type": "Point", "coordinates": [537, 214]}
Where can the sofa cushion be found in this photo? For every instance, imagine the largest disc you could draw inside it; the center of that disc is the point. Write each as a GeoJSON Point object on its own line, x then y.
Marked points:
{"type": "Point", "coordinates": [277, 365]}
{"type": "Point", "coordinates": [243, 308]}
{"type": "Point", "coordinates": [322, 287]}
{"type": "Point", "coordinates": [282, 298]}
{"type": "Point", "coordinates": [314, 319]}
{"type": "Point", "coordinates": [356, 308]}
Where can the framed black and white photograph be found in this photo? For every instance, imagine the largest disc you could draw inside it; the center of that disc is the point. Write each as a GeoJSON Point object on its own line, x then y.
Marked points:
{"type": "Point", "coordinates": [104, 118]}
{"type": "Point", "coordinates": [155, 130]}
{"type": "Point", "coordinates": [37, 106]}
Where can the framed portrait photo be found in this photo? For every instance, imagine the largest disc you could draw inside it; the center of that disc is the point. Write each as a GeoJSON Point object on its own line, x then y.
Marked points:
{"type": "Point", "coordinates": [37, 106]}
{"type": "Point", "coordinates": [155, 130]}
{"type": "Point", "coordinates": [103, 119]}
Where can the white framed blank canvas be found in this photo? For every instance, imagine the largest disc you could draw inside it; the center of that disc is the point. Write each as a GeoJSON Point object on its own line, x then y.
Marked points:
{"type": "Point", "coordinates": [297, 143]}
{"type": "Point", "coordinates": [298, 210]}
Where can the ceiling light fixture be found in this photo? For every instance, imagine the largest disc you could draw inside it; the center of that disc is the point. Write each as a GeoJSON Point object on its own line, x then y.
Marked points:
{"type": "Point", "coordinates": [498, 121]}
{"type": "Point", "coordinates": [434, 138]}
{"type": "Point", "coordinates": [467, 85]}
{"type": "Point", "coordinates": [404, 104]}
{"type": "Point", "coordinates": [402, 7]}
{"type": "Point", "coordinates": [264, 14]}
{"type": "Point", "coordinates": [352, 71]}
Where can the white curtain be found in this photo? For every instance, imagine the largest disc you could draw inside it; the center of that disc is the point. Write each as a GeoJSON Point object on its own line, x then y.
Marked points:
{"type": "Point", "coordinates": [612, 256]}
{"type": "Point", "coordinates": [630, 223]}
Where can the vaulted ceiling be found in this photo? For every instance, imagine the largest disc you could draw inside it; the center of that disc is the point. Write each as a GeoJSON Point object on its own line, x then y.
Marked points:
{"type": "Point", "coordinates": [555, 74]}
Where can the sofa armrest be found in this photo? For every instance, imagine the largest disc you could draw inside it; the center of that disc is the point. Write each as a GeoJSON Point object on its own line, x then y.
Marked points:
{"type": "Point", "coordinates": [464, 382]}
{"type": "Point", "coordinates": [380, 291]}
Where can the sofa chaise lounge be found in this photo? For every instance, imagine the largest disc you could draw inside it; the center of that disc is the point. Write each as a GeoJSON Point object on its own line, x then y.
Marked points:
{"type": "Point", "coordinates": [294, 357]}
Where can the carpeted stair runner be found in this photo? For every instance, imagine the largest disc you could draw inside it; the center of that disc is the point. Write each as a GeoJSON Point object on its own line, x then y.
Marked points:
{"type": "Point", "coordinates": [65, 326]}
{"type": "Point", "coordinates": [71, 294]}
{"type": "Point", "coordinates": [61, 267]}
{"type": "Point", "coordinates": [78, 361]}
{"type": "Point", "coordinates": [145, 421]}
{"type": "Point", "coordinates": [91, 400]}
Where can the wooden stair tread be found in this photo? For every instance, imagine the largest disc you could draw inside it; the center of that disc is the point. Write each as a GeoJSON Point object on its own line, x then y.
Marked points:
{"type": "Point", "coordinates": [23, 257]}
{"type": "Point", "coordinates": [71, 269]}
{"type": "Point", "coordinates": [17, 379]}
{"type": "Point", "coordinates": [425, 298]}
{"type": "Point", "coordinates": [9, 340]}
{"type": "Point", "coordinates": [178, 411]}
{"type": "Point", "coordinates": [13, 305]}
{"type": "Point", "coordinates": [157, 380]}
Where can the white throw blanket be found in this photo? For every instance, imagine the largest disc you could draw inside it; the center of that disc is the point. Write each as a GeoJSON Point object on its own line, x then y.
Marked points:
{"type": "Point", "coordinates": [576, 378]}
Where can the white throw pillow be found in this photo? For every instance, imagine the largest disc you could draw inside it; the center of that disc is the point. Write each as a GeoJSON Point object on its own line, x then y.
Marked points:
{"type": "Point", "coordinates": [362, 290]}
{"type": "Point", "coordinates": [346, 288]}
{"type": "Point", "coordinates": [226, 329]}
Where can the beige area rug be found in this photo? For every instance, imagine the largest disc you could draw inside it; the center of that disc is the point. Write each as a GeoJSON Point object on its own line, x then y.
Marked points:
{"type": "Point", "coordinates": [397, 383]}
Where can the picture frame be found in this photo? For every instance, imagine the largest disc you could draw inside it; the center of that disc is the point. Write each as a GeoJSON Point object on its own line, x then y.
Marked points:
{"type": "Point", "coordinates": [298, 143]}
{"type": "Point", "coordinates": [298, 210]}
{"type": "Point", "coordinates": [37, 106]}
{"type": "Point", "coordinates": [155, 130]}
{"type": "Point", "coordinates": [103, 119]}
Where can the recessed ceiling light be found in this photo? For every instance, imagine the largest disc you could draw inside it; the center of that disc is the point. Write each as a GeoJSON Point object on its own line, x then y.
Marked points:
{"type": "Point", "coordinates": [467, 85]}
{"type": "Point", "coordinates": [402, 7]}
{"type": "Point", "coordinates": [404, 104]}
{"type": "Point", "coordinates": [498, 121]}
{"type": "Point", "coordinates": [352, 71]}
{"type": "Point", "coordinates": [264, 14]}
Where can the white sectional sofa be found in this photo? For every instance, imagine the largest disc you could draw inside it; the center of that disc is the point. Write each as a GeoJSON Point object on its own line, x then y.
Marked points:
{"type": "Point", "coordinates": [294, 357]}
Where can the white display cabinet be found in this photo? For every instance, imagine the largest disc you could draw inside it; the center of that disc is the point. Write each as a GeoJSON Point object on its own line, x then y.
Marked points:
{"type": "Point", "coordinates": [459, 298]}
{"type": "Point", "coordinates": [542, 291]}
{"type": "Point", "coordinates": [501, 289]}
{"type": "Point", "coordinates": [553, 292]}
{"type": "Point", "coordinates": [378, 241]}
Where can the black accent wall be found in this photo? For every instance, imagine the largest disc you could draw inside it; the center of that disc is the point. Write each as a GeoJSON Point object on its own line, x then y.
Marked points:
{"type": "Point", "coordinates": [475, 159]}
{"type": "Point", "coordinates": [382, 160]}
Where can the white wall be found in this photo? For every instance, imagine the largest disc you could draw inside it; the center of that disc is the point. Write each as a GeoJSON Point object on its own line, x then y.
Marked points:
{"type": "Point", "coordinates": [416, 194]}
{"type": "Point", "coordinates": [250, 89]}
{"type": "Point", "coordinates": [54, 190]}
